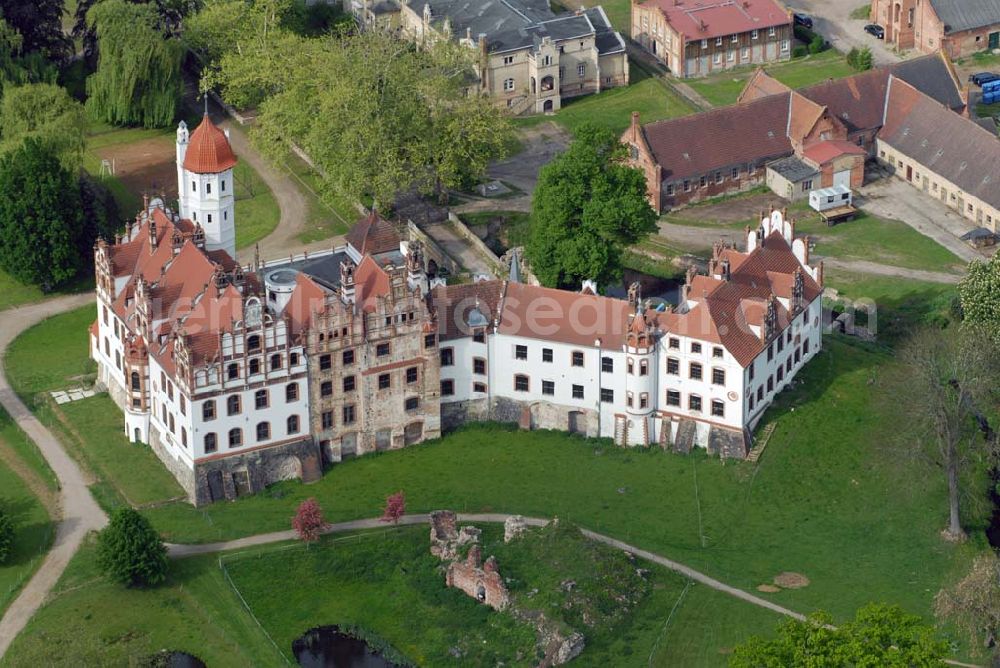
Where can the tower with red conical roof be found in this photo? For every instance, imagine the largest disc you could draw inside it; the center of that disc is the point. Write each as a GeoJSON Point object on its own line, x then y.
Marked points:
{"type": "Point", "coordinates": [205, 184]}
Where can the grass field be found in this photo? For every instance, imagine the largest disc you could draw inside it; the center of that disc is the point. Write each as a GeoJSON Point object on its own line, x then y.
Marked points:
{"type": "Point", "coordinates": [329, 214]}
{"type": "Point", "coordinates": [723, 89]}
{"type": "Point", "coordinates": [89, 621]}
{"type": "Point", "coordinates": [739, 524]}
{"type": "Point", "coordinates": [613, 108]}
{"type": "Point", "coordinates": [257, 212]}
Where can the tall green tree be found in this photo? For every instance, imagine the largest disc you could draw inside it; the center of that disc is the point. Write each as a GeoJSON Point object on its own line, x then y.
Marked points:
{"type": "Point", "coordinates": [588, 207]}
{"type": "Point", "coordinates": [879, 635]}
{"type": "Point", "coordinates": [130, 551]}
{"type": "Point", "coordinates": [979, 294]}
{"type": "Point", "coordinates": [138, 77]}
{"type": "Point", "coordinates": [171, 15]}
{"type": "Point", "coordinates": [44, 237]}
{"type": "Point", "coordinates": [46, 112]}
{"type": "Point", "coordinates": [39, 22]}
{"type": "Point", "coordinates": [18, 66]}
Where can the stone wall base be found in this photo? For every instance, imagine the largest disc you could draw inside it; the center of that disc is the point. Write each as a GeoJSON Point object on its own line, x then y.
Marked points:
{"type": "Point", "coordinates": [242, 474]}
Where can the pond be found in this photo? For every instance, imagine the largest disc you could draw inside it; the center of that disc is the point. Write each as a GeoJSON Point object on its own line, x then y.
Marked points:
{"type": "Point", "coordinates": [328, 647]}
{"type": "Point", "coordinates": [654, 288]}
{"type": "Point", "coordinates": [172, 659]}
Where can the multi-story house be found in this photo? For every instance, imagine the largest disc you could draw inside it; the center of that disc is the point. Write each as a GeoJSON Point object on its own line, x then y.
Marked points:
{"type": "Point", "coordinates": [239, 377]}
{"type": "Point", "coordinates": [528, 58]}
{"type": "Point", "coordinates": [958, 27]}
{"type": "Point", "coordinates": [695, 38]}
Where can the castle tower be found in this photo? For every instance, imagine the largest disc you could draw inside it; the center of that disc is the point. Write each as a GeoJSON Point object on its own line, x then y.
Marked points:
{"type": "Point", "coordinates": [205, 186]}
{"type": "Point", "coordinates": [640, 382]}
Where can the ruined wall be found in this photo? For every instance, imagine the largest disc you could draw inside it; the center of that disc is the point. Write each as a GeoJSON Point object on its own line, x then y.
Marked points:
{"type": "Point", "coordinates": [482, 582]}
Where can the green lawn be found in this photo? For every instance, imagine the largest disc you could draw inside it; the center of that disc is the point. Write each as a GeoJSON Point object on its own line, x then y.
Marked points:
{"type": "Point", "coordinates": [723, 89]}
{"type": "Point", "coordinates": [26, 451]}
{"type": "Point", "coordinates": [257, 212]}
{"type": "Point", "coordinates": [613, 108]}
{"type": "Point", "coordinates": [89, 621]}
{"type": "Point", "coordinates": [329, 214]}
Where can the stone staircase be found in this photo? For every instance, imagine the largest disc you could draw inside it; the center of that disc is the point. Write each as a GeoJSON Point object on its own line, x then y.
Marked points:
{"type": "Point", "coordinates": [761, 442]}
{"type": "Point", "coordinates": [522, 105]}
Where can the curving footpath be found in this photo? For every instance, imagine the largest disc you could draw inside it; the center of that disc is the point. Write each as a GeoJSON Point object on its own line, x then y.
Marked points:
{"type": "Point", "coordinates": [80, 514]}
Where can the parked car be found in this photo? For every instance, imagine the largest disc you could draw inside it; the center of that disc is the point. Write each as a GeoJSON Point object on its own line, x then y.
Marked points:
{"type": "Point", "coordinates": [802, 20]}
{"type": "Point", "coordinates": [980, 78]}
{"type": "Point", "coordinates": [875, 30]}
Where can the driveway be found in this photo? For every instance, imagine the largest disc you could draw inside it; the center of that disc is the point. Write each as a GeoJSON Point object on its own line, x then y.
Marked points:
{"type": "Point", "coordinates": [832, 19]}
{"type": "Point", "coordinates": [891, 197]}
{"type": "Point", "coordinates": [540, 144]}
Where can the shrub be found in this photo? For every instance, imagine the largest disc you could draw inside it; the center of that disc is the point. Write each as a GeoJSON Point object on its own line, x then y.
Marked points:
{"type": "Point", "coordinates": [860, 59]}
{"type": "Point", "coordinates": [130, 551]}
{"type": "Point", "coordinates": [308, 521]}
{"type": "Point", "coordinates": [799, 51]}
{"type": "Point", "coordinates": [6, 536]}
{"type": "Point", "coordinates": [817, 44]}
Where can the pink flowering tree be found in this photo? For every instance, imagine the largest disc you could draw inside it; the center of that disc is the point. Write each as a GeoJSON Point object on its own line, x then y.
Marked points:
{"type": "Point", "coordinates": [308, 521]}
{"type": "Point", "coordinates": [395, 507]}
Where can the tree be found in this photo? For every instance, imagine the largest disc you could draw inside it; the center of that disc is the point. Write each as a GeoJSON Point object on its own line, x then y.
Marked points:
{"type": "Point", "coordinates": [138, 78]}
{"type": "Point", "coordinates": [587, 208]}
{"type": "Point", "coordinates": [879, 635]}
{"type": "Point", "coordinates": [938, 388]}
{"type": "Point", "coordinates": [40, 24]}
{"type": "Point", "coordinates": [6, 536]}
{"type": "Point", "coordinates": [973, 603]}
{"type": "Point", "coordinates": [860, 59]}
{"type": "Point", "coordinates": [979, 295]}
{"type": "Point", "coordinates": [43, 235]}
{"type": "Point", "coordinates": [130, 551]}
{"type": "Point", "coordinates": [18, 66]}
{"type": "Point", "coordinates": [395, 507]}
{"type": "Point", "coordinates": [308, 521]}
{"type": "Point", "coordinates": [46, 112]}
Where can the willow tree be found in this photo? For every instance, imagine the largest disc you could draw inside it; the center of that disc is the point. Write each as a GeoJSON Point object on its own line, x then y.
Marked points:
{"type": "Point", "coordinates": [138, 77]}
{"type": "Point", "coordinates": [48, 113]}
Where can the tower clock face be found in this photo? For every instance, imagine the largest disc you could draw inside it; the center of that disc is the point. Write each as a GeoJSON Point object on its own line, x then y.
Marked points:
{"type": "Point", "coordinates": [252, 314]}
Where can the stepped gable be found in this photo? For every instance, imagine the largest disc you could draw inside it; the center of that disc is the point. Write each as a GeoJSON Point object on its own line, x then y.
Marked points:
{"type": "Point", "coordinates": [208, 150]}
{"type": "Point", "coordinates": [308, 299]}
{"type": "Point", "coordinates": [691, 146]}
{"type": "Point", "coordinates": [453, 303]}
{"type": "Point", "coordinates": [373, 235]}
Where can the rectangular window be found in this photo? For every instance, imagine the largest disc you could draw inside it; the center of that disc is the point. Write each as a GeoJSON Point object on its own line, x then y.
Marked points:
{"type": "Point", "coordinates": [578, 391]}
{"type": "Point", "coordinates": [508, 84]}
{"type": "Point", "coordinates": [670, 190]}
{"type": "Point", "coordinates": [643, 367]}
{"type": "Point", "coordinates": [718, 176]}
{"type": "Point", "coordinates": [548, 387]}
{"type": "Point", "coordinates": [607, 365]}
{"type": "Point", "coordinates": [734, 39]}
{"type": "Point", "coordinates": [349, 384]}
{"type": "Point", "coordinates": [807, 185]}
{"type": "Point", "coordinates": [770, 31]}
{"type": "Point", "coordinates": [447, 387]}
{"type": "Point", "coordinates": [348, 357]}
{"type": "Point", "coordinates": [411, 403]}
{"type": "Point", "coordinates": [718, 376]}
{"type": "Point", "coordinates": [673, 366]}
{"type": "Point", "coordinates": [687, 186]}
{"type": "Point", "coordinates": [704, 43]}
{"type": "Point", "coordinates": [411, 374]}
{"type": "Point", "coordinates": [546, 354]}
{"type": "Point", "coordinates": [520, 352]}
{"type": "Point", "coordinates": [577, 358]}
{"type": "Point", "coordinates": [760, 393]}
{"type": "Point", "coordinates": [673, 398]}
{"type": "Point", "coordinates": [479, 336]}
{"type": "Point", "coordinates": [326, 419]}
{"type": "Point", "coordinates": [702, 182]}
{"type": "Point", "coordinates": [479, 366]}
{"type": "Point", "coordinates": [736, 173]}
{"type": "Point", "coordinates": [674, 343]}
{"type": "Point", "coordinates": [695, 347]}
{"type": "Point", "coordinates": [430, 341]}
{"type": "Point", "coordinates": [508, 60]}
{"type": "Point", "coordinates": [324, 362]}
{"type": "Point", "coordinates": [745, 54]}
{"type": "Point", "coordinates": [479, 387]}
{"type": "Point", "coordinates": [607, 395]}
{"type": "Point", "coordinates": [326, 388]}
{"type": "Point", "coordinates": [694, 402]}
{"type": "Point", "coordinates": [731, 56]}
{"type": "Point", "coordinates": [643, 400]}
{"type": "Point", "coordinates": [784, 45]}
{"type": "Point", "coordinates": [695, 369]}
{"type": "Point", "coordinates": [717, 352]}
{"type": "Point", "coordinates": [382, 349]}
{"type": "Point", "coordinates": [383, 381]}
{"type": "Point", "coordinates": [717, 58]}
{"type": "Point", "coordinates": [447, 356]}
{"type": "Point", "coordinates": [581, 70]}
{"type": "Point", "coordinates": [718, 408]}
{"type": "Point", "coordinates": [349, 414]}
{"type": "Point", "coordinates": [718, 41]}
{"type": "Point", "coordinates": [753, 34]}
{"type": "Point", "coordinates": [521, 383]}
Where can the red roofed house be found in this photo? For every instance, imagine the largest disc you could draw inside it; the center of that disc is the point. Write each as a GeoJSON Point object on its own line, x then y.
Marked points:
{"type": "Point", "coordinates": [698, 37]}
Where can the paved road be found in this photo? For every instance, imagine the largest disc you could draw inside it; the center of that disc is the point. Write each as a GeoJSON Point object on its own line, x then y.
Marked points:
{"type": "Point", "coordinates": [832, 19]}
{"type": "Point", "coordinates": [703, 237]}
{"type": "Point", "coordinates": [80, 513]}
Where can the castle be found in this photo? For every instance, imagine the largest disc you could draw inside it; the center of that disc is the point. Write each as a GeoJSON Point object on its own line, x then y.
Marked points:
{"type": "Point", "coordinates": [241, 376]}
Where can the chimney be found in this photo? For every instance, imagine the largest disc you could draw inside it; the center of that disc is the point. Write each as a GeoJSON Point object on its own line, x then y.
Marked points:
{"type": "Point", "coordinates": [153, 241]}
{"type": "Point", "coordinates": [726, 274]}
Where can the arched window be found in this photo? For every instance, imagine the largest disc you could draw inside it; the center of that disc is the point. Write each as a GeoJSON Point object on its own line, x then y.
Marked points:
{"type": "Point", "coordinates": [291, 392]}
{"type": "Point", "coordinates": [263, 431]}
{"type": "Point", "coordinates": [275, 362]}
{"type": "Point", "coordinates": [260, 399]}
{"type": "Point", "coordinates": [254, 366]}
{"type": "Point", "coordinates": [135, 380]}
{"type": "Point", "coordinates": [211, 443]}
{"type": "Point", "coordinates": [233, 405]}
{"type": "Point", "coordinates": [253, 342]}
{"type": "Point", "coordinates": [208, 410]}
{"type": "Point", "coordinates": [233, 371]}
{"type": "Point", "coordinates": [235, 438]}
{"type": "Point", "coordinates": [293, 424]}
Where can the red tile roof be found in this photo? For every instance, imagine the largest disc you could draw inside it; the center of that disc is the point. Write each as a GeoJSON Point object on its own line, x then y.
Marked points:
{"type": "Point", "coordinates": [705, 19]}
{"type": "Point", "coordinates": [373, 235]}
{"type": "Point", "coordinates": [452, 304]}
{"type": "Point", "coordinates": [208, 150]}
{"type": "Point", "coordinates": [825, 151]}
{"type": "Point", "coordinates": [370, 282]}
{"type": "Point", "coordinates": [559, 315]}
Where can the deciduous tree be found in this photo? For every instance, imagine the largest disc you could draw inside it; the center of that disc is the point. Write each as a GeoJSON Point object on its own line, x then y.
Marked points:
{"type": "Point", "coordinates": [587, 208]}
{"type": "Point", "coordinates": [138, 79]}
{"type": "Point", "coordinates": [130, 551]}
{"type": "Point", "coordinates": [939, 389]}
{"type": "Point", "coordinates": [979, 294]}
{"type": "Point", "coordinates": [46, 112]}
{"type": "Point", "coordinates": [43, 235]}
{"type": "Point", "coordinates": [308, 521]}
{"type": "Point", "coordinates": [6, 536]}
{"type": "Point", "coordinates": [395, 507]}
{"type": "Point", "coordinates": [40, 24]}
{"type": "Point", "coordinates": [879, 635]}
{"type": "Point", "coordinates": [973, 604]}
